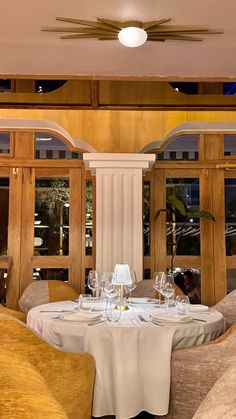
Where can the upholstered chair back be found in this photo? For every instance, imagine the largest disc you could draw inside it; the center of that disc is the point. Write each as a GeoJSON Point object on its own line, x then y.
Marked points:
{"type": "Point", "coordinates": [42, 292]}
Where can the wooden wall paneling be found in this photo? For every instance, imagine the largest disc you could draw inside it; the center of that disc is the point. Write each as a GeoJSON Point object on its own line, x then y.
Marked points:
{"type": "Point", "coordinates": [219, 235]}
{"type": "Point", "coordinates": [158, 200]}
{"type": "Point", "coordinates": [207, 237]}
{"type": "Point", "coordinates": [75, 231]}
{"type": "Point", "coordinates": [186, 261]}
{"type": "Point", "coordinates": [50, 261]}
{"type": "Point", "coordinates": [24, 145]}
{"type": "Point", "coordinates": [14, 237]}
{"type": "Point", "coordinates": [213, 147]}
{"type": "Point", "coordinates": [27, 227]}
{"type": "Point", "coordinates": [201, 148]}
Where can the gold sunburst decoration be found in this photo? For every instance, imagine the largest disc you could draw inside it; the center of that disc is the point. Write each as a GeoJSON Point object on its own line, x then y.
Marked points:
{"type": "Point", "coordinates": [155, 30]}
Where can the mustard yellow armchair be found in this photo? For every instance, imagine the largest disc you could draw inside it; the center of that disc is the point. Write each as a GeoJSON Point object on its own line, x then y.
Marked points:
{"type": "Point", "coordinates": [24, 393]}
{"type": "Point", "coordinates": [46, 291]}
{"type": "Point", "coordinates": [14, 313]}
{"type": "Point", "coordinates": [70, 376]}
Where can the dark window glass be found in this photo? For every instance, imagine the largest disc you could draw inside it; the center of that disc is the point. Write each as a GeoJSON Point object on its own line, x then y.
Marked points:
{"type": "Point", "coordinates": [229, 88]}
{"type": "Point", "coordinates": [59, 274]}
{"type": "Point", "coordinates": [180, 148]}
{"type": "Point", "coordinates": [4, 142]}
{"type": "Point", "coordinates": [51, 216]}
{"type": "Point", "coordinates": [4, 209]}
{"type": "Point", "coordinates": [185, 235]}
{"type": "Point", "coordinates": [189, 88]}
{"type": "Point", "coordinates": [230, 216]}
{"type": "Point", "coordinates": [231, 279]}
{"type": "Point", "coordinates": [230, 145]}
{"type": "Point", "coordinates": [146, 218]}
{"type": "Point", "coordinates": [45, 86]}
{"type": "Point", "coordinates": [89, 218]}
{"type": "Point", "coordinates": [5, 85]}
{"type": "Point", "coordinates": [48, 146]}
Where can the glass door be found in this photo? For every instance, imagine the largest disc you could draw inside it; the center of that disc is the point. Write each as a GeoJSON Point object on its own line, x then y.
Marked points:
{"type": "Point", "coordinates": [5, 263]}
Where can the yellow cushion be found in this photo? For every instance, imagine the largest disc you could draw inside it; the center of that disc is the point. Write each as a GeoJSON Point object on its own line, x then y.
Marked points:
{"type": "Point", "coordinates": [24, 393]}
{"type": "Point", "coordinates": [70, 376]}
{"type": "Point", "coordinates": [59, 291]}
{"type": "Point", "coordinates": [14, 313]}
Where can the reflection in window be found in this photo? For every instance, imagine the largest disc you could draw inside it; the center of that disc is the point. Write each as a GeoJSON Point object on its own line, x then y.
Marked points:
{"type": "Point", "coordinates": [187, 234]}
{"type": "Point", "coordinates": [89, 218]}
{"type": "Point", "coordinates": [230, 145]}
{"type": "Point", "coordinates": [4, 142]}
{"type": "Point", "coordinates": [47, 146]}
{"type": "Point", "coordinates": [230, 216]}
{"type": "Point", "coordinates": [59, 274]}
{"type": "Point", "coordinates": [4, 208]}
{"type": "Point", "coordinates": [231, 279]}
{"type": "Point", "coordinates": [146, 218]}
{"type": "Point", "coordinates": [51, 216]}
{"type": "Point", "coordinates": [180, 148]}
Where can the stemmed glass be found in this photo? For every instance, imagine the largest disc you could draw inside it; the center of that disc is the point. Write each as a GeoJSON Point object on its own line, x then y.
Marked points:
{"type": "Point", "coordinates": [111, 290]}
{"type": "Point", "coordinates": [159, 283]}
{"type": "Point", "coordinates": [133, 284]}
{"type": "Point", "coordinates": [169, 289]}
{"type": "Point", "coordinates": [94, 281]}
{"type": "Point", "coordinates": [106, 277]}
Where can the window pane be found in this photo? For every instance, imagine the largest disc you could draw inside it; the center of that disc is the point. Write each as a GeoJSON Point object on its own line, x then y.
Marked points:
{"type": "Point", "coordinates": [231, 279]}
{"type": "Point", "coordinates": [4, 142]}
{"type": "Point", "coordinates": [89, 218]}
{"type": "Point", "coordinates": [181, 148]}
{"type": "Point", "coordinates": [230, 145]}
{"type": "Point", "coordinates": [51, 216]}
{"type": "Point", "coordinates": [47, 146]}
{"type": "Point", "coordinates": [146, 218]}
{"type": "Point", "coordinates": [4, 209]}
{"type": "Point", "coordinates": [186, 235]}
{"type": "Point", "coordinates": [53, 273]}
{"type": "Point", "coordinates": [230, 216]}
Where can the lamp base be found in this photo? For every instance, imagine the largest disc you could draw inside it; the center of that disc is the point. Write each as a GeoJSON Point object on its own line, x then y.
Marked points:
{"type": "Point", "coordinates": [121, 308]}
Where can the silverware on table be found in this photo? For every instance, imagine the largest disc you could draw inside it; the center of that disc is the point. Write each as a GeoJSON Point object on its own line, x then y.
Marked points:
{"type": "Point", "coordinates": [56, 311]}
{"type": "Point", "coordinates": [142, 319]}
{"type": "Point", "coordinates": [199, 320]}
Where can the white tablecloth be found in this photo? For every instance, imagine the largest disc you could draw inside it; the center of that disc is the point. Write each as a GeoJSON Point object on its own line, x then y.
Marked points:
{"type": "Point", "coordinates": [132, 357]}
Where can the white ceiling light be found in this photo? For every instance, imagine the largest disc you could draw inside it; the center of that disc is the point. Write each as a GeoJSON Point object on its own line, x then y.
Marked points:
{"type": "Point", "coordinates": [132, 37]}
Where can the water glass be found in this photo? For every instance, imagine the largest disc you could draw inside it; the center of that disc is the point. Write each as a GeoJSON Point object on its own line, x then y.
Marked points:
{"type": "Point", "coordinates": [169, 289]}
{"type": "Point", "coordinates": [112, 315]}
{"type": "Point", "coordinates": [133, 284]}
{"type": "Point", "coordinates": [182, 304]}
{"type": "Point", "coordinates": [84, 302]}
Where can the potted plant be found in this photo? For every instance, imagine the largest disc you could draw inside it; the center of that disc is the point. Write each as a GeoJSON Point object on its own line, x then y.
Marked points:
{"type": "Point", "coordinates": [176, 205]}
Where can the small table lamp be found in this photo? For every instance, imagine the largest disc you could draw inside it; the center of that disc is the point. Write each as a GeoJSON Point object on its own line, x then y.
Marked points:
{"type": "Point", "coordinates": [121, 277]}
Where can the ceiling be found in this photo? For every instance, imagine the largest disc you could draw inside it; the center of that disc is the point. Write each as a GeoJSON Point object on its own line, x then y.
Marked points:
{"type": "Point", "coordinates": [26, 51]}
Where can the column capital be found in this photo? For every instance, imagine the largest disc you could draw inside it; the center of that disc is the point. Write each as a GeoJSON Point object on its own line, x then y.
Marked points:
{"type": "Point", "coordinates": [95, 161]}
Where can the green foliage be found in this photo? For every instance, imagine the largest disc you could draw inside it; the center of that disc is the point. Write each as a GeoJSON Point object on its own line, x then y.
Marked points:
{"type": "Point", "coordinates": [176, 205]}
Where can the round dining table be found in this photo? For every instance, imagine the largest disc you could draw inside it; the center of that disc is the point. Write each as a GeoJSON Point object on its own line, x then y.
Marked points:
{"type": "Point", "coordinates": [133, 355]}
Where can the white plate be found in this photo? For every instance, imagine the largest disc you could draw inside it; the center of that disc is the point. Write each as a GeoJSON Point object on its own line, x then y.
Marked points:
{"type": "Point", "coordinates": [81, 319]}
{"type": "Point", "coordinates": [142, 300]}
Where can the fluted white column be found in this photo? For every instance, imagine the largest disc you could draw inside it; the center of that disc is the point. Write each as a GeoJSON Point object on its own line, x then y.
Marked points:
{"type": "Point", "coordinates": [119, 228]}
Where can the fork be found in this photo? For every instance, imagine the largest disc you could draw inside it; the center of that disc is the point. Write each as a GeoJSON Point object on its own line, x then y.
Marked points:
{"type": "Point", "coordinates": [142, 318]}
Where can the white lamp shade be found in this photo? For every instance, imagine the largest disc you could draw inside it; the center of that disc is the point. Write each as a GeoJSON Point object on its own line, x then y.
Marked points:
{"type": "Point", "coordinates": [121, 274]}
{"type": "Point", "coordinates": [132, 37]}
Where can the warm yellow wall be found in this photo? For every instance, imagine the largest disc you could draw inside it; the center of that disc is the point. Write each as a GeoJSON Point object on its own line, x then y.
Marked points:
{"type": "Point", "coordinates": [118, 131]}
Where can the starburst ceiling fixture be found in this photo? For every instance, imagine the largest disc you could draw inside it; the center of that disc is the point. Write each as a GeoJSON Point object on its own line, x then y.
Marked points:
{"type": "Point", "coordinates": [130, 33]}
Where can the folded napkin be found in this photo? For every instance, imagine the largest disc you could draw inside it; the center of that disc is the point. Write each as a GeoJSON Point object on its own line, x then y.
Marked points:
{"type": "Point", "coordinates": [198, 308]}
{"type": "Point", "coordinates": [174, 318]}
{"type": "Point", "coordinates": [82, 317]}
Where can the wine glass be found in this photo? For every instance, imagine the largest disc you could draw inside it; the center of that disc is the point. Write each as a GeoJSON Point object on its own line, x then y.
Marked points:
{"type": "Point", "coordinates": [133, 284]}
{"type": "Point", "coordinates": [159, 282]}
{"type": "Point", "coordinates": [169, 289]}
{"type": "Point", "coordinates": [94, 281]}
{"type": "Point", "coordinates": [106, 276]}
{"type": "Point", "coordinates": [111, 290]}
